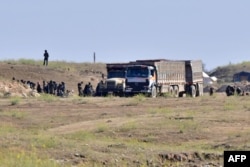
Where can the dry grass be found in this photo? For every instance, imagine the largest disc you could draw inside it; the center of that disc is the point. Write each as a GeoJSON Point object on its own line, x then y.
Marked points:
{"type": "Point", "coordinates": [111, 131]}
{"type": "Point", "coordinates": [96, 131]}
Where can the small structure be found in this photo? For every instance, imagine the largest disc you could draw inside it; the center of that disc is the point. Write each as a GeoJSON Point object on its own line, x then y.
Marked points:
{"type": "Point", "coordinates": [242, 76]}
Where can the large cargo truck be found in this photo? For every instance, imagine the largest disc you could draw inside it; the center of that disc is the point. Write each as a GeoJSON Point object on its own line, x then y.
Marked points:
{"type": "Point", "coordinates": [155, 77]}
{"type": "Point", "coordinates": [115, 82]}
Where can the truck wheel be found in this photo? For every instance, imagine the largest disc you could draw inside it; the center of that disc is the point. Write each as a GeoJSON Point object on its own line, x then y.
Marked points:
{"type": "Point", "coordinates": [193, 91]}
{"type": "Point", "coordinates": [200, 90]}
{"type": "Point", "coordinates": [153, 92]}
{"type": "Point", "coordinates": [176, 91]}
{"type": "Point", "coordinates": [171, 91]}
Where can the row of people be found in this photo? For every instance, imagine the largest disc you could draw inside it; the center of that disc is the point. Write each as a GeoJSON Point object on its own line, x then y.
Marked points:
{"type": "Point", "coordinates": [51, 87]}
{"type": "Point", "coordinates": [58, 89]}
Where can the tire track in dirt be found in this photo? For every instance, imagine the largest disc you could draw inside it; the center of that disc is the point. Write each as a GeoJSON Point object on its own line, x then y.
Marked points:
{"type": "Point", "coordinates": [92, 124]}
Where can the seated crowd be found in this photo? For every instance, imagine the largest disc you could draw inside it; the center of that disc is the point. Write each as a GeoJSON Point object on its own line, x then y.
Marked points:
{"type": "Point", "coordinates": [51, 87]}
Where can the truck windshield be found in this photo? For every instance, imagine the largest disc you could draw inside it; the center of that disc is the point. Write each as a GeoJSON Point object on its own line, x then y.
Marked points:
{"type": "Point", "coordinates": [116, 74]}
{"type": "Point", "coordinates": [137, 72]}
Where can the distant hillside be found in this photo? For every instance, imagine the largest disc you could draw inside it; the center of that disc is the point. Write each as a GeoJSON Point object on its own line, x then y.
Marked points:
{"type": "Point", "coordinates": [225, 73]}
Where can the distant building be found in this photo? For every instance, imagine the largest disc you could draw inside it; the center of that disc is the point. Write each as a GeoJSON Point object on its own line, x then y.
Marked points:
{"type": "Point", "coordinates": [241, 76]}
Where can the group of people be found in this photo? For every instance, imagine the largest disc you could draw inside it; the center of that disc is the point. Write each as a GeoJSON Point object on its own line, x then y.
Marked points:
{"type": "Point", "coordinates": [53, 88]}
{"type": "Point", "coordinates": [232, 90]}
{"type": "Point", "coordinates": [86, 91]}
{"type": "Point", "coordinates": [50, 87]}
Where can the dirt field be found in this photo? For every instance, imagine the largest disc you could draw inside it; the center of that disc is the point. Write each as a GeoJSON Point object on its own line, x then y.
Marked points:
{"type": "Point", "coordinates": [134, 131]}
{"type": "Point", "coordinates": [113, 131]}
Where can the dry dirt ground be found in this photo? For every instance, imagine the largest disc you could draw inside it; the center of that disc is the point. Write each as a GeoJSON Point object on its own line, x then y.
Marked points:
{"type": "Point", "coordinates": [113, 131]}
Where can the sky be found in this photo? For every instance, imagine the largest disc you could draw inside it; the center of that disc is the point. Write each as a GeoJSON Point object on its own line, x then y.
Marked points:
{"type": "Point", "coordinates": [214, 31]}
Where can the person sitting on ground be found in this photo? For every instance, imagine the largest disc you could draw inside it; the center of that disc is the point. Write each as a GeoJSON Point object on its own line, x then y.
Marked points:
{"type": "Point", "coordinates": [38, 88]}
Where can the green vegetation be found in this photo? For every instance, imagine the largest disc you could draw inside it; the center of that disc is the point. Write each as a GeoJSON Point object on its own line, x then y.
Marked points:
{"type": "Point", "coordinates": [44, 141]}
{"type": "Point", "coordinates": [24, 62]}
{"type": "Point", "coordinates": [48, 98]}
{"type": "Point", "coordinates": [22, 158]}
{"type": "Point", "coordinates": [127, 127]}
{"type": "Point", "coordinates": [101, 127]}
{"type": "Point", "coordinates": [15, 100]}
{"type": "Point", "coordinates": [136, 100]}
{"type": "Point", "coordinates": [14, 114]}
{"type": "Point", "coordinates": [6, 128]}
{"type": "Point", "coordinates": [61, 65]}
{"type": "Point", "coordinates": [81, 136]}
{"type": "Point", "coordinates": [139, 98]}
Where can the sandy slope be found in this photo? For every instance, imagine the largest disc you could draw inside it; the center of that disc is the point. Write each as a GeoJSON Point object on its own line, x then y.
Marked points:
{"type": "Point", "coordinates": [71, 75]}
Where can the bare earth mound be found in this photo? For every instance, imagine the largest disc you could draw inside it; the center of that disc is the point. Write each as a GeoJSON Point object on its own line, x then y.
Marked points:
{"type": "Point", "coordinates": [70, 74]}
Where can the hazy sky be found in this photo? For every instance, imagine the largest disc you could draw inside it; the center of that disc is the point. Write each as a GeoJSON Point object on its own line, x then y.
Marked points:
{"type": "Point", "coordinates": [215, 31]}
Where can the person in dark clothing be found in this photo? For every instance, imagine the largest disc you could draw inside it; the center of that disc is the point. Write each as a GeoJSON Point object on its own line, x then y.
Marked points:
{"type": "Point", "coordinates": [38, 88]}
{"type": "Point", "coordinates": [45, 87]}
{"type": "Point", "coordinates": [80, 91]}
{"type": "Point", "coordinates": [211, 91]}
{"type": "Point", "coordinates": [88, 90]}
{"type": "Point", "coordinates": [100, 89]}
{"type": "Point", "coordinates": [239, 91]}
{"type": "Point", "coordinates": [230, 90]}
{"type": "Point", "coordinates": [55, 85]}
{"type": "Point", "coordinates": [46, 58]}
{"type": "Point", "coordinates": [85, 90]}
{"type": "Point", "coordinates": [51, 87]}
{"type": "Point", "coordinates": [61, 89]}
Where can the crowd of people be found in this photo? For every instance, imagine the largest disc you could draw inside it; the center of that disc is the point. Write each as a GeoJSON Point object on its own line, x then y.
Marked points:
{"type": "Point", "coordinates": [53, 88]}
{"type": "Point", "coordinates": [50, 87]}
{"type": "Point", "coordinates": [57, 89]}
{"type": "Point", "coordinates": [86, 91]}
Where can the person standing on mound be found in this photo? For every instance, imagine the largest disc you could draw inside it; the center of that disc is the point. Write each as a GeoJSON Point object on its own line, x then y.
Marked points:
{"type": "Point", "coordinates": [46, 58]}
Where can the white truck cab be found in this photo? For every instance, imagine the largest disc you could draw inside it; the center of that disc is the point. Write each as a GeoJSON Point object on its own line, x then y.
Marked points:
{"type": "Point", "coordinates": [140, 79]}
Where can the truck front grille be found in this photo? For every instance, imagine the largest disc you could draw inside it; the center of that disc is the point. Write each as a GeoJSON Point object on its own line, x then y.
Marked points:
{"type": "Point", "coordinates": [110, 84]}
{"type": "Point", "coordinates": [137, 86]}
